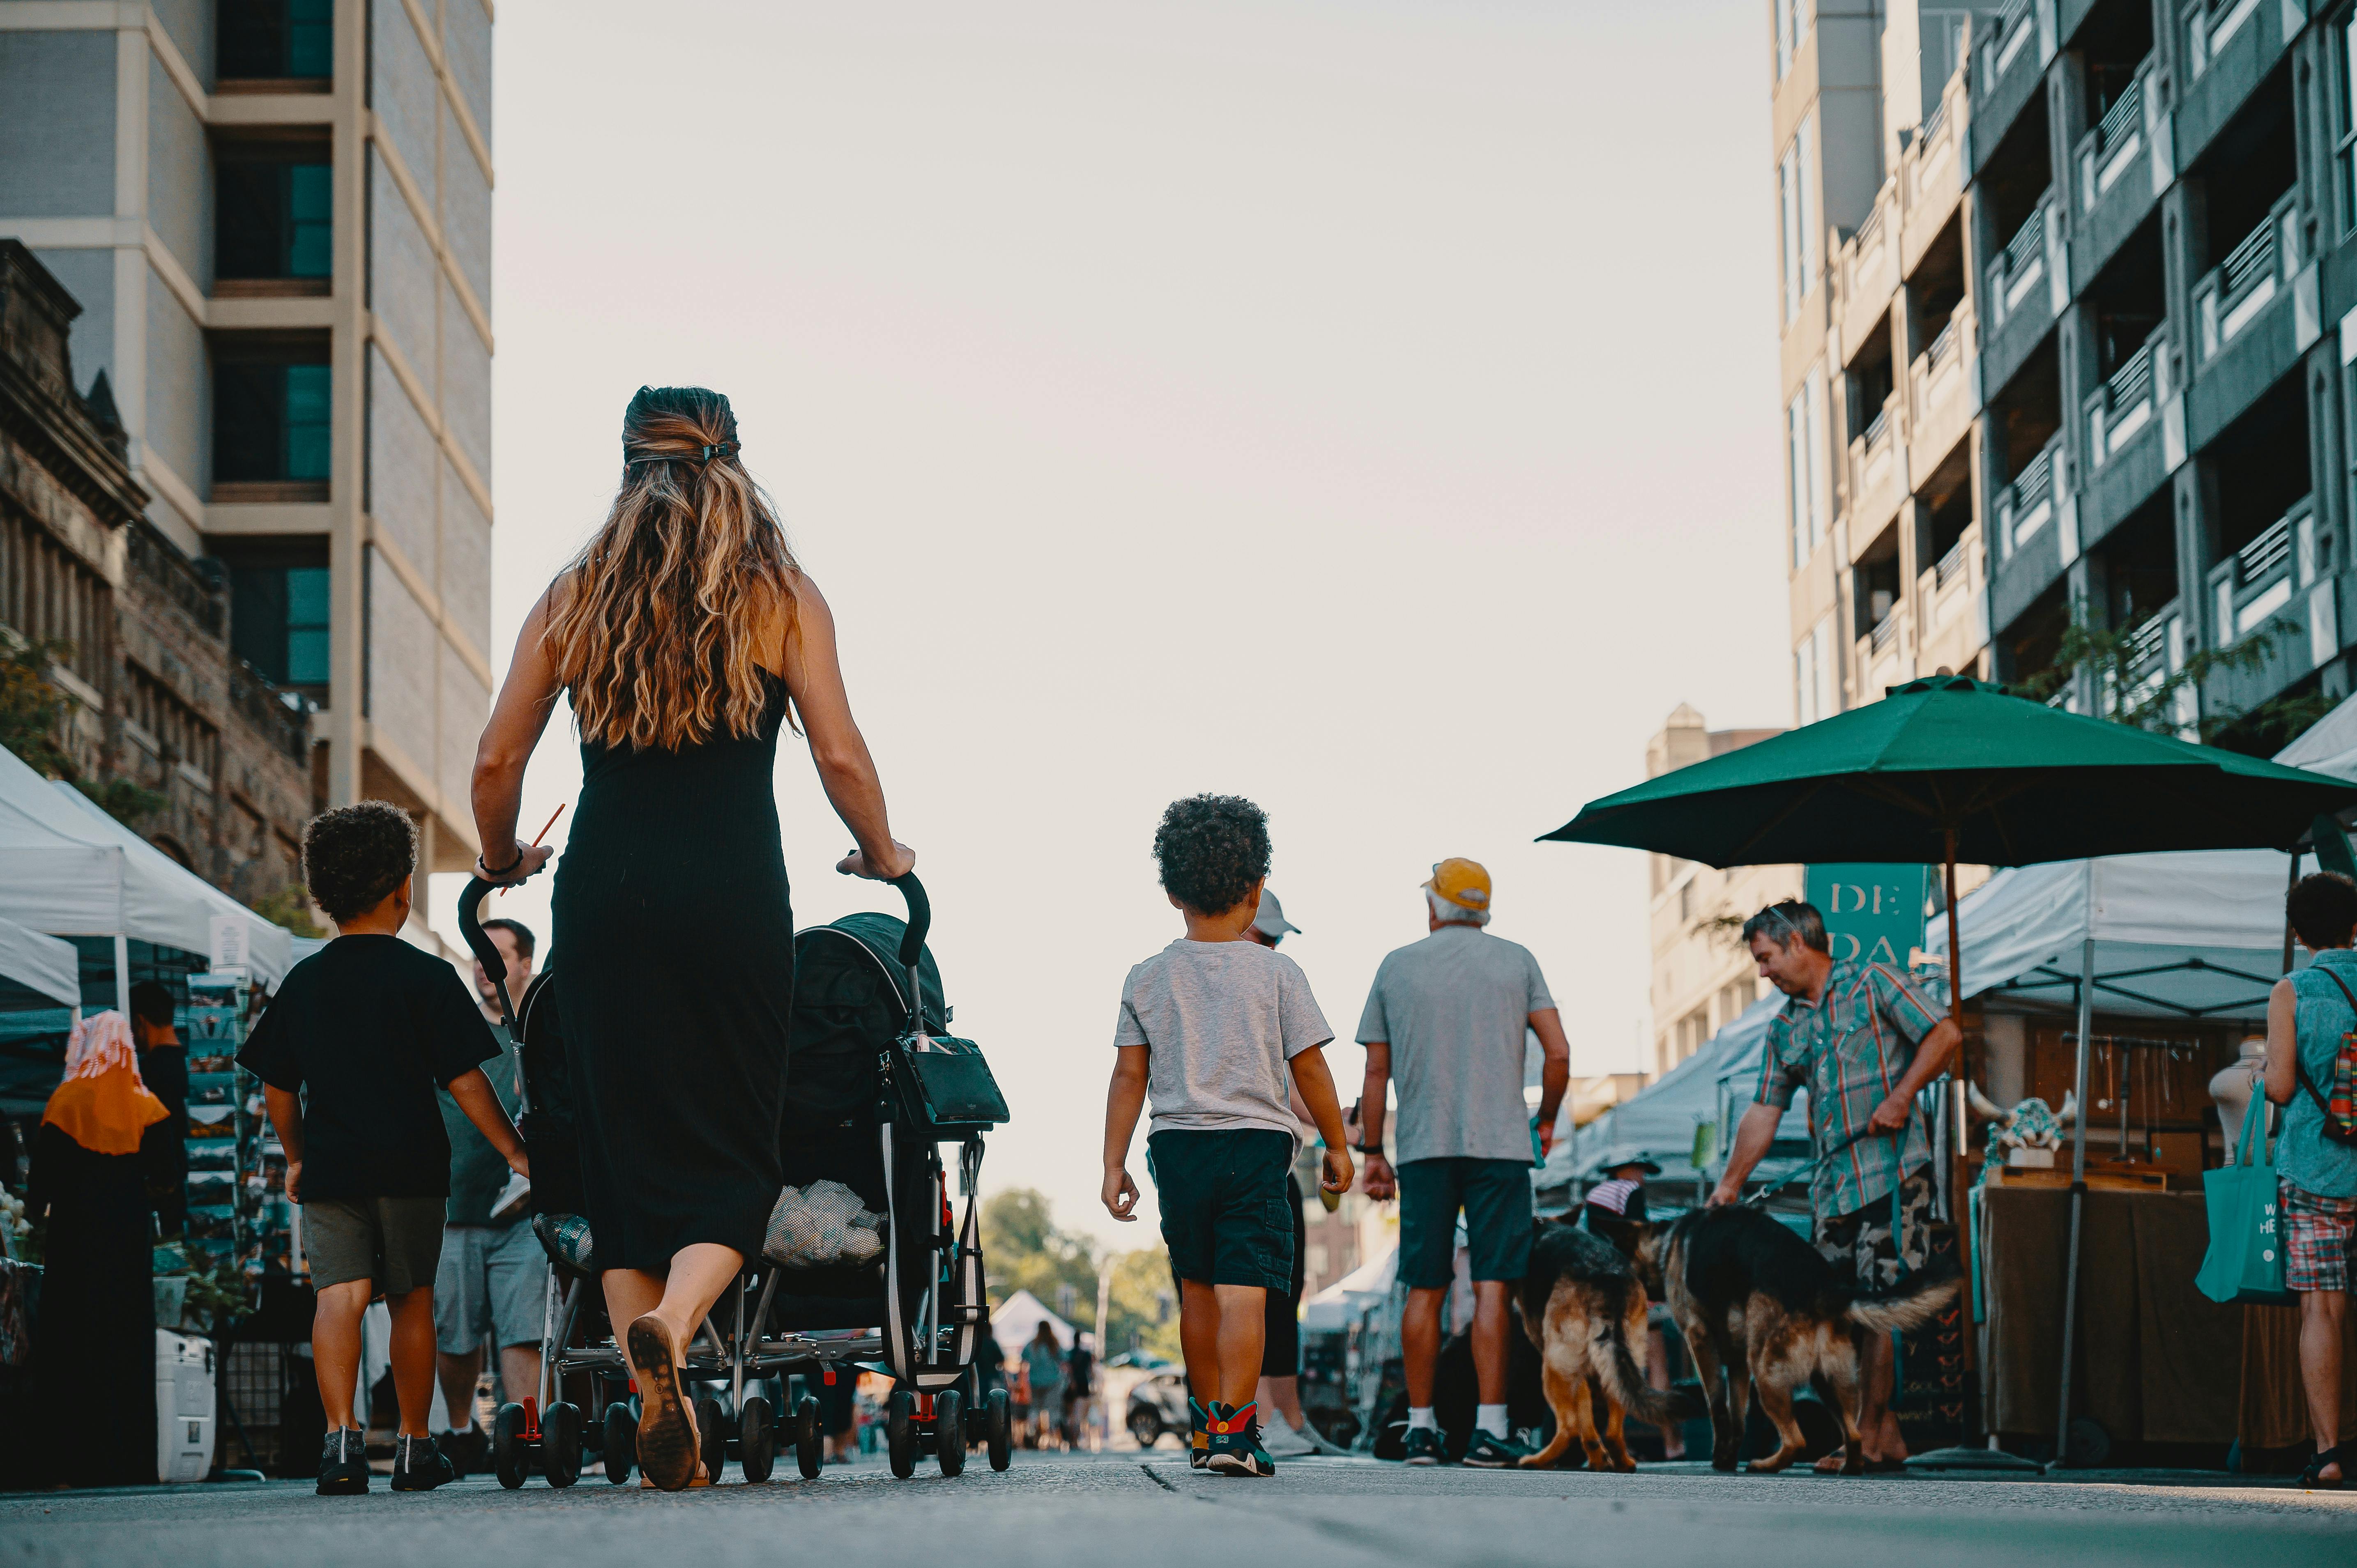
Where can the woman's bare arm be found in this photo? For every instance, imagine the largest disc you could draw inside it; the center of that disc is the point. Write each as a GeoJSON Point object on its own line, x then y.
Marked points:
{"type": "Point", "coordinates": [814, 675]}
{"type": "Point", "coordinates": [2282, 1043]}
{"type": "Point", "coordinates": [526, 699]}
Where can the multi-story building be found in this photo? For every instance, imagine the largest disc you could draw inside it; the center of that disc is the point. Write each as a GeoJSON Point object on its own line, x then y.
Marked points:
{"type": "Point", "coordinates": [277, 216]}
{"type": "Point", "coordinates": [2068, 336]}
{"type": "Point", "coordinates": [134, 636]}
{"type": "Point", "coordinates": [1703, 974]}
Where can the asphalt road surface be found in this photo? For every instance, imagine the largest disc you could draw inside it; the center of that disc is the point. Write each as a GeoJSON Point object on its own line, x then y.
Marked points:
{"type": "Point", "coordinates": [1051, 1511]}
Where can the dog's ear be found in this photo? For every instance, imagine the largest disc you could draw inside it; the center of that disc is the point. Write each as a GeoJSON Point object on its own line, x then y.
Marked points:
{"type": "Point", "coordinates": [1624, 1234]}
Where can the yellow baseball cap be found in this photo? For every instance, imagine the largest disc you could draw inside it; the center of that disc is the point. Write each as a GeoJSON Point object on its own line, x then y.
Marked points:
{"type": "Point", "coordinates": [1463, 883]}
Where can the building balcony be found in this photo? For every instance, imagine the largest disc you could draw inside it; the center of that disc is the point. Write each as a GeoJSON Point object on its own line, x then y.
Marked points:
{"type": "Point", "coordinates": [1865, 268]}
{"type": "Point", "coordinates": [1886, 654]}
{"type": "Point", "coordinates": [2019, 268]}
{"type": "Point", "coordinates": [2027, 505]}
{"type": "Point", "coordinates": [1938, 386]}
{"type": "Point", "coordinates": [2122, 142]}
{"type": "Point", "coordinates": [2256, 581]}
{"type": "Point", "coordinates": [2234, 293]}
{"type": "Point", "coordinates": [1932, 169]}
{"type": "Point", "coordinates": [1878, 473]}
{"type": "Point", "coordinates": [2129, 401]}
{"type": "Point", "coordinates": [2011, 38]}
{"type": "Point", "coordinates": [2155, 650]}
{"type": "Point", "coordinates": [1948, 602]}
{"type": "Point", "coordinates": [2210, 26]}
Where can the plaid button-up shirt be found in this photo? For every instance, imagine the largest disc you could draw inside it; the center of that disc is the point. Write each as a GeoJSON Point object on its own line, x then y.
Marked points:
{"type": "Point", "coordinates": [1850, 1049]}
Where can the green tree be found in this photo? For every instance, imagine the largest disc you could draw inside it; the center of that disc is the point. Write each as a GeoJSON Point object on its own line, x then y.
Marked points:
{"type": "Point", "coordinates": [1024, 1249]}
{"type": "Point", "coordinates": [32, 711]}
{"type": "Point", "coordinates": [2153, 699]}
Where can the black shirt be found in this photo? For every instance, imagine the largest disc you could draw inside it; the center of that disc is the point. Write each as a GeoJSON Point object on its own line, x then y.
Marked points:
{"type": "Point", "coordinates": [367, 1027]}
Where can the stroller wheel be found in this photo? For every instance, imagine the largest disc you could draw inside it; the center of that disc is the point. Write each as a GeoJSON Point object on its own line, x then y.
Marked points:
{"type": "Point", "coordinates": [712, 1436]}
{"type": "Point", "coordinates": [560, 1443]}
{"type": "Point", "coordinates": [508, 1456]}
{"type": "Point", "coordinates": [621, 1442]}
{"type": "Point", "coordinates": [998, 1428]}
{"type": "Point", "coordinates": [810, 1443]}
{"type": "Point", "coordinates": [757, 1439]}
{"type": "Point", "coordinates": [949, 1431]}
{"type": "Point", "coordinates": [900, 1433]}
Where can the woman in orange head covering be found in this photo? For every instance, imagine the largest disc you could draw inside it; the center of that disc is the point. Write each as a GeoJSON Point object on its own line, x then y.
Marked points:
{"type": "Point", "coordinates": [93, 1395]}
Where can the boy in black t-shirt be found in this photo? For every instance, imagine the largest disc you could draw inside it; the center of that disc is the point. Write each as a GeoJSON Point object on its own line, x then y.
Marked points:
{"type": "Point", "coordinates": [349, 1053]}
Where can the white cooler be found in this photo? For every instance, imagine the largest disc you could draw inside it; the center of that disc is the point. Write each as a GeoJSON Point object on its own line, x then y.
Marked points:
{"type": "Point", "coordinates": [183, 1406]}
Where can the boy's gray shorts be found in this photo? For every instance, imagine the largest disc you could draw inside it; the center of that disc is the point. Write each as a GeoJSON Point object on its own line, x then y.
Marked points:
{"type": "Point", "coordinates": [493, 1281]}
{"type": "Point", "coordinates": [396, 1242]}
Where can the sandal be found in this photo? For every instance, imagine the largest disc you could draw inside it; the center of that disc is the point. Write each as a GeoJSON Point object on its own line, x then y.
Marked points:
{"type": "Point", "coordinates": [2312, 1478]}
{"type": "Point", "coordinates": [667, 1445]}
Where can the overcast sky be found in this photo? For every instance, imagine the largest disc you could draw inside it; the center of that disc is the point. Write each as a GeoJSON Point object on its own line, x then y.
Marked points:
{"type": "Point", "coordinates": [1366, 406]}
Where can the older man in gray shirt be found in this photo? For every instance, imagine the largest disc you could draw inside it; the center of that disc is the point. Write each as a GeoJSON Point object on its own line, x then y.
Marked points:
{"type": "Point", "coordinates": [1448, 1016]}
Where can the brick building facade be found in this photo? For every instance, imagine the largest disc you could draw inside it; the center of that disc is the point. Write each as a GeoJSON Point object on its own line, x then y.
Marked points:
{"type": "Point", "coordinates": [157, 697]}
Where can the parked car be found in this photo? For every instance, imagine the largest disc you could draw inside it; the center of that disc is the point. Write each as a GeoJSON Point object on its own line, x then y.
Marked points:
{"type": "Point", "coordinates": [1157, 1405]}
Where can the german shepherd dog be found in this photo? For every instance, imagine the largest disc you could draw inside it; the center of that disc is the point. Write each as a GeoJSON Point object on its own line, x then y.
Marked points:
{"type": "Point", "coordinates": [1762, 1309]}
{"type": "Point", "coordinates": [1584, 1308]}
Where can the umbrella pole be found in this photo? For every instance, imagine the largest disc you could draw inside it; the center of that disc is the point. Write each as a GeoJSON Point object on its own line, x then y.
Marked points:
{"type": "Point", "coordinates": [2078, 1192]}
{"type": "Point", "coordinates": [1955, 953]}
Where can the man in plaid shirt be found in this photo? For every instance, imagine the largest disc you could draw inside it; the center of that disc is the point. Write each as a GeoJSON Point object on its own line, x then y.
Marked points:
{"type": "Point", "coordinates": [1864, 1041]}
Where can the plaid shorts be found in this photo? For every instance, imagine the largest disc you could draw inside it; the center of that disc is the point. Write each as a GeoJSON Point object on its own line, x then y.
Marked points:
{"type": "Point", "coordinates": [2316, 1235]}
{"type": "Point", "coordinates": [1861, 1244]}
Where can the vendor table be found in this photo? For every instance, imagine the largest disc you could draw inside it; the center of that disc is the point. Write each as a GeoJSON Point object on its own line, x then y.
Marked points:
{"type": "Point", "coordinates": [2158, 1361]}
{"type": "Point", "coordinates": [2274, 1412]}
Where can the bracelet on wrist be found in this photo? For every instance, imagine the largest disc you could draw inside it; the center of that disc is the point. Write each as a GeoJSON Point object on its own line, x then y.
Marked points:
{"type": "Point", "coordinates": [484, 867]}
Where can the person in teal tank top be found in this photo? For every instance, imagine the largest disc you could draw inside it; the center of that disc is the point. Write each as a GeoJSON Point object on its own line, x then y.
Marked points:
{"type": "Point", "coordinates": [2315, 1207]}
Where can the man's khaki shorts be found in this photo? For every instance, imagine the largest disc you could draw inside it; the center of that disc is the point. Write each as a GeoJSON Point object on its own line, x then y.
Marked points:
{"type": "Point", "coordinates": [395, 1242]}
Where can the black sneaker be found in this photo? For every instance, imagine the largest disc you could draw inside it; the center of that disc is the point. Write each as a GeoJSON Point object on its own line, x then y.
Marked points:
{"type": "Point", "coordinates": [469, 1450]}
{"type": "Point", "coordinates": [343, 1465]}
{"type": "Point", "coordinates": [1491, 1452]}
{"type": "Point", "coordinates": [1425, 1447]}
{"type": "Point", "coordinates": [418, 1466]}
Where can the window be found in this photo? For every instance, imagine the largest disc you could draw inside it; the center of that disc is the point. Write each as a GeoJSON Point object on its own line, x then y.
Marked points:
{"type": "Point", "coordinates": [277, 40]}
{"type": "Point", "coordinates": [1814, 682]}
{"type": "Point", "coordinates": [278, 613]}
{"type": "Point", "coordinates": [2343, 72]}
{"type": "Point", "coordinates": [1803, 245]}
{"type": "Point", "coordinates": [1791, 27]}
{"type": "Point", "coordinates": [275, 217]}
{"type": "Point", "coordinates": [1811, 489]}
{"type": "Point", "coordinates": [48, 592]}
{"type": "Point", "coordinates": [271, 424]}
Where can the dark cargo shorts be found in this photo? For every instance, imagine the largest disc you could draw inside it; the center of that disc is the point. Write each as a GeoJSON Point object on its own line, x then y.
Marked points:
{"type": "Point", "coordinates": [1223, 1196]}
{"type": "Point", "coordinates": [1496, 1197]}
{"type": "Point", "coordinates": [395, 1242]}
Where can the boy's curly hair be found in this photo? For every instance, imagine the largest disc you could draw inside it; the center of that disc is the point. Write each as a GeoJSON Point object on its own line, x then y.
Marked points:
{"type": "Point", "coordinates": [1211, 849]}
{"type": "Point", "coordinates": [355, 855]}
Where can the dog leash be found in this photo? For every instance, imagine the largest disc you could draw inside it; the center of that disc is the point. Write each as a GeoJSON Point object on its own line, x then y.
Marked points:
{"type": "Point", "coordinates": [1760, 1197]}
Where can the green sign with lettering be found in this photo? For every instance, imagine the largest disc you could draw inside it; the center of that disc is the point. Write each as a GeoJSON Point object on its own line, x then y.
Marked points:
{"type": "Point", "coordinates": [1874, 913]}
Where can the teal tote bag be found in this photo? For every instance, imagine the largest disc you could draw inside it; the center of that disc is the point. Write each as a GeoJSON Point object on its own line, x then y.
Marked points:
{"type": "Point", "coordinates": [2245, 1263]}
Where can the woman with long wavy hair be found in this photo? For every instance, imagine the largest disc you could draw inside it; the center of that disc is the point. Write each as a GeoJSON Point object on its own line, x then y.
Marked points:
{"type": "Point", "coordinates": [686, 637]}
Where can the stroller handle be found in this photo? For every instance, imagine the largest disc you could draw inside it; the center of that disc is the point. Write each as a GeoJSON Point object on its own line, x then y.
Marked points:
{"type": "Point", "coordinates": [920, 917]}
{"type": "Point", "coordinates": [487, 951]}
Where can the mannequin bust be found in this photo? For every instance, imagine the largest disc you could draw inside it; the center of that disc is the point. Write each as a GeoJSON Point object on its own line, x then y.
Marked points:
{"type": "Point", "coordinates": [2231, 1087]}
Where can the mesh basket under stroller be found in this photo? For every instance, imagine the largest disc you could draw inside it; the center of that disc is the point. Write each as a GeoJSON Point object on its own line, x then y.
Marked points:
{"type": "Point", "coordinates": [875, 1086]}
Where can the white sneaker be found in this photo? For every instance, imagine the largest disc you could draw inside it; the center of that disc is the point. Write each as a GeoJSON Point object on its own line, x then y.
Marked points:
{"type": "Point", "coordinates": [1280, 1441]}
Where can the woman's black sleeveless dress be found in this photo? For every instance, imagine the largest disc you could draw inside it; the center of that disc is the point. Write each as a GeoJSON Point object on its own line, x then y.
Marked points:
{"type": "Point", "coordinates": [674, 964]}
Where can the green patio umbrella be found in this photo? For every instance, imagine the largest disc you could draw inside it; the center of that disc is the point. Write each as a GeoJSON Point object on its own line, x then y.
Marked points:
{"type": "Point", "coordinates": [1948, 769]}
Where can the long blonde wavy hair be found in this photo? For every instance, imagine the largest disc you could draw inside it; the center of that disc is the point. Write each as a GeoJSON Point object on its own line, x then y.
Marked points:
{"type": "Point", "coordinates": [653, 631]}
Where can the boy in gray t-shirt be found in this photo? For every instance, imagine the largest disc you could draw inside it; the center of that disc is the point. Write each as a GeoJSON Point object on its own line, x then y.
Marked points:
{"type": "Point", "coordinates": [1210, 1027]}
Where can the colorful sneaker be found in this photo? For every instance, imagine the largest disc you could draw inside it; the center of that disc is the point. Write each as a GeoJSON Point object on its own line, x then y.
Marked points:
{"type": "Point", "coordinates": [1488, 1451]}
{"type": "Point", "coordinates": [343, 1465]}
{"type": "Point", "coordinates": [417, 1465]}
{"type": "Point", "coordinates": [1199, 1441]}
{"type": "Point", "coordinates": [1234, 1432]}
{"type": "Point", "coordinates": [1425, 1447]}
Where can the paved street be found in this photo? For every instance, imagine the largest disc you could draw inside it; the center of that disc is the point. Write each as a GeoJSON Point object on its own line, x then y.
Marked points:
{"type": "Point", "coordinates": [1053, 1510]}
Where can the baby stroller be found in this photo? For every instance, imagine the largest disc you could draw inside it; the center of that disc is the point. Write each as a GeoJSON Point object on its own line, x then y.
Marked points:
{"type": "Point", "coordinates": [875, 1087]}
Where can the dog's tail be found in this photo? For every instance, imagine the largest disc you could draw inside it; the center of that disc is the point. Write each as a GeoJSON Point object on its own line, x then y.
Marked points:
{"type": "Point", "coordinates": [1625, 1380]}
{"type": "Point", "coordinates": [1905, 1306]}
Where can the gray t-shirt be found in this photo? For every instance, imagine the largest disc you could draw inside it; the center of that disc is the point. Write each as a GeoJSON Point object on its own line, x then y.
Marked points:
{"type": "Point", "coordinates": [1454, 1008]}
{"type": "Point", "coordinates": [1220, 1020]}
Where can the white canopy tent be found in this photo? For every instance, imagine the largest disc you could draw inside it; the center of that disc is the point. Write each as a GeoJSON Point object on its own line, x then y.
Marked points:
{"type": "Point", "coordinates": [1017, 1323]}
{"type": "Point", "coordinates": [37, 971]}
{"type": "Point", "coordinates": [70, 870]}
{"type": "Point", "coordinates": [1660, 1120]}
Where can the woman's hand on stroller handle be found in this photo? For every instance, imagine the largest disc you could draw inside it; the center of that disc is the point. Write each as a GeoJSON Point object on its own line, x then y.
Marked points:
{"type": "Point", "coordinates": [1120, 1195]}
{"type": "Point", "coordinates": [520, 864]}
{"type": "Point", "coordinates": [859, 863]}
